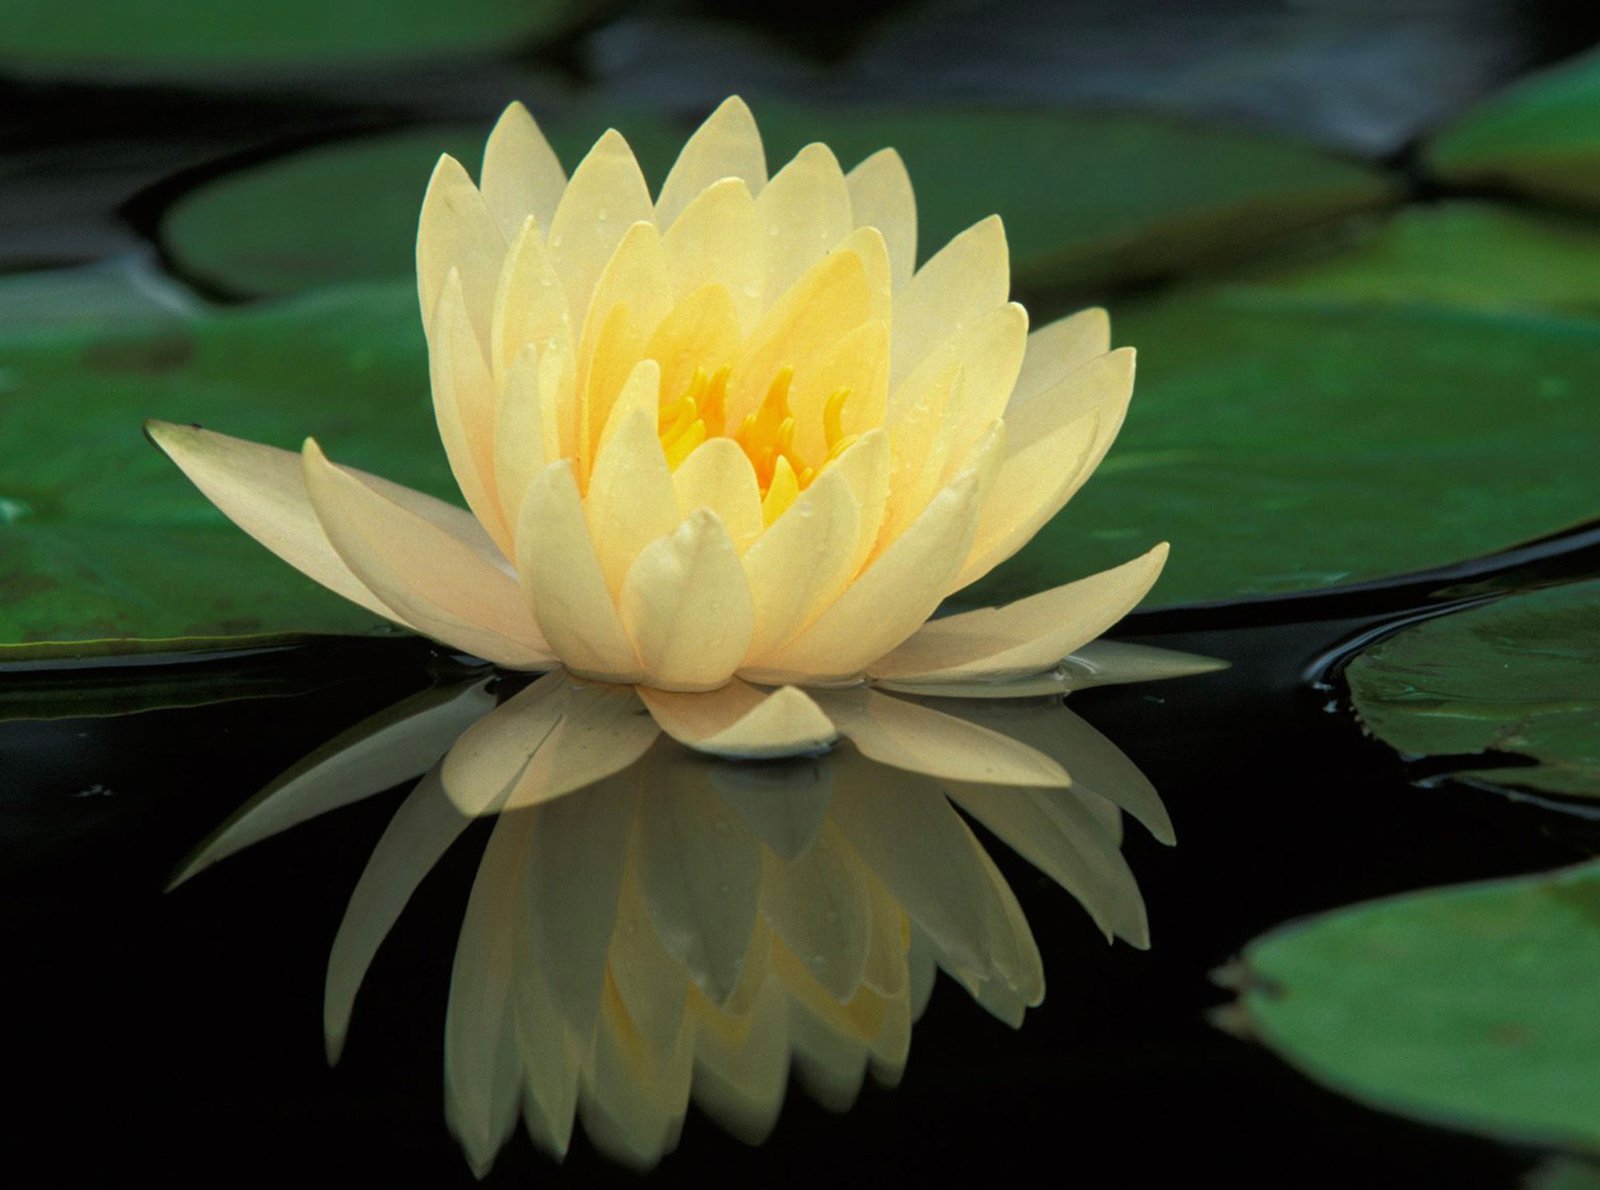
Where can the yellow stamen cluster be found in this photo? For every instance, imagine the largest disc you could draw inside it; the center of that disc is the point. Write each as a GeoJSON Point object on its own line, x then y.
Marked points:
{"type": "Point", "coordinates": [766, 436]}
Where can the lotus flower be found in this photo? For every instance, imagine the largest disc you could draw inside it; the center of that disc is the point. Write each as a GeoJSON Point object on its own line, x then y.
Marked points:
{"type": "Point", "coordinates": [723, 449]}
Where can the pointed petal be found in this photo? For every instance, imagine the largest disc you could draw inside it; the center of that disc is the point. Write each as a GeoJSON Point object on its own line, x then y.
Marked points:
{"type": "Point", "coordinates": [898, 591]}
{"type": "Point", "coordinates": [859, 362]}
{"type": "Point", "coordinates": [522, 176]}
{"type": "Point", "coordinates": [717, 241]}
{"type": "Point", "coordinates": [1060, 348]}
{"type": "Point", "coordinates": [631, 501]}
{"type": "Point", "coordinates": [742, 723]}
{"type": "Point", "coordinates": [439, 581]}
{"type": "Point", "coordinates": [805, 211]}
{"type": "Point", "coordinates": [527, 436]}
{"type": "Point", "coordinates": [881, 197]}
{"type": "Point", "coordinates": [727, 145]}
{"type": "Point", "coordinates": [263, 490]}
{"type": "Point", "coordinates": [718, 476]}
{"type": "Point", "coordinates": [530, 306]}
{"type": "Point", "coordinates": [964, 280]}
{"type": "Point", "coordinates": [686, 606]}
{"type": "Point", "coordinates": [1104, 383]}
{"type": "Point", "coordinates": [561, 577]}
{"type": "Point", "coordinates": [464, 406]}
{"type": "Point", "coordinates": [457, 232]}
{"type": "Point", "coordinates": [922, 740]}
{"type": "Point", "coordinates": [606, 196]}
{"type": "Point", "coordinates": [1025, 637]}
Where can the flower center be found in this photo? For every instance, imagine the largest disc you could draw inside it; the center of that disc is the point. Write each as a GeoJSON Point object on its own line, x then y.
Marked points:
{"type": "Point", "coordinates": [766, 436]}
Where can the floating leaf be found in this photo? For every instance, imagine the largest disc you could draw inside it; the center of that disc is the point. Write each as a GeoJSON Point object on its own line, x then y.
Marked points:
{"type": "Point", "coordinates": [1471, 1007]}
{"type": "Point", "coordinates": [1538, 137]}
{"type": "Point", "coordinates": [1087, 197]}
{"type": "Point", "coordinates": [159, 37]}
{"type": "Point", "coordinates": [1285, 445]}
{"type": "Point", "coordinates": [1520, 675]}
{"type": "Point", "coordinates": [1473, 254]}
{"type": "Point", "coordinates": [102, 541]}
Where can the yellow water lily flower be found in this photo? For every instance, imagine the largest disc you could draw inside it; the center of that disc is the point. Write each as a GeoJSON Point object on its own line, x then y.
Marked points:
{"type": "Point", "coordinates": [725, 448]}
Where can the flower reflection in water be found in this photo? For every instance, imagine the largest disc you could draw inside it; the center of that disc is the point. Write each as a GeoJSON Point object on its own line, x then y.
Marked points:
{"type": "Point", "coordinates": [695, 928]}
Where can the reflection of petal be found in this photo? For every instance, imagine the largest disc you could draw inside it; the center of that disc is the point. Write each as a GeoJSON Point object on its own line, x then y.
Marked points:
{"type": "Point", "coordinates": [1026, 637]}
{"type": "Point", "coordinates": [920, 739]}
{"type": "Point", "coordinates": [700, 870]}
{"type": "Point", "coordinates": [1098, 663]}
{"type": "Point", "coordinates": [819, 906]}
{"type": "Point", "coordinates": [741, 722]}
{"type": "Point", "coordinates": [417, 836]}
{"type": "Point", "coordinates": [377, 754]}
{"type": "Point", "coordinates": [783, 802]}
{"type": "Point", "coordinates": [739, 1078]}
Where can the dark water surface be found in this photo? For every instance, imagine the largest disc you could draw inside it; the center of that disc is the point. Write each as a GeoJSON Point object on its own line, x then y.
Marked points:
{"type": "Point", "coordinates": [180, 1034]}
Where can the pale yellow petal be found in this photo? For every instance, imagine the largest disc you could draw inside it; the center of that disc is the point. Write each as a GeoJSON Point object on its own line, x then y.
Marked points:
{"type": "Point", "coordinates": [857, 363]}
{"type": "Point", "coordinates": [1060, 348]}
{"type": "Point", "coordinates": [727, 145]}
{"type": "Point", "coordinates": [919, 739]}
{"type": "Point", "coordinates": [717, 241]}
{"type": "Point", "coordinates": [562, 579]}
{"type": "Point", "coordinates": [742, 723]}
{"type": "Point", "coordinates": [440, 582]}
{"type": "Point", "coordinates": [701, 333]}
{"type": "Point", "coordinates": [490, 755]}
{"type": "Point", "coordinates": [522, 176]}
{"type": "Point", "coordinates": [606, 196]}
{"type": "Point", "coordinates": [898, 591]}
{"type": "Point", "coordinates": [530, 306]}
{"type": "Point", "coordinates": [1038, 479]}
{"type": "Point", "coordinates": [803, 327]}
{"type": "Point", "coordinates": [805, 214]}
{"type": "Point", "coordinates": [631, 501]}
{"type": "Point", "coordinates": [686, 606]}
{"type": "Point", "coordinates": [1103, 383]}
{"type": "Point", "coordinates": [806, 560]}
{"type": "Point", "coordinates": [263, 490]}
{"type": "Point", "coordinates": [650, 983]}
{"type": "Point", "coordinates": [881, 197]}
{"type": "Point", "coordinates": [1027, 636]}
{"type": "Point", "coordinates": [464, 405]}
{"type": "Point", "coordinates": [964, 280]}
{"type": "Point", "coordinates": [457, 232]}
{"type": "Point", "coordinates": [634, 282]}
{"type": "Point", "coordinates": [527, 436]}
{"type": "Point", "coordinates": [990, 351]}
{"type": "Point", "coordinates": [718, 476]}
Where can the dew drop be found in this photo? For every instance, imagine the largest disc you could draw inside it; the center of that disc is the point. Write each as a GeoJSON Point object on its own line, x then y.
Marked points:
{"type": "Point", "coordinates": [555, 241]}
{"type": "Point", "coordinates": [602, 214]}
{"type": "Point", "coordinates": [819, 962]}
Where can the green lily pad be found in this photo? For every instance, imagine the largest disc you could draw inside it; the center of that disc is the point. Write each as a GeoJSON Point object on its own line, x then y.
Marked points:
{"type": "Point", "coordinates": [1520, 675]}
{"type": "Point", "coordinates": [157, 37]}
{"type": "Point", "coordinates": [1470, 1007]}
{"type": "Point", "coordinates": [1087, 197]}
{"type": "Point", "coordinates": [1565, 1173]}
{"type": "Point", "coordinates": [105, 547]}
{"type": "Point", "coordinates": [1477, 255]}
{"type": "Point", "coordinates": [1539, 137]}
{"type": "Point", "coordinates": [1285, 445]}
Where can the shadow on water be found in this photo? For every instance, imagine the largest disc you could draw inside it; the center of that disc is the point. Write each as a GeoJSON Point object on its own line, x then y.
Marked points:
{"type": "Point", "coordinates": [183, 1031]}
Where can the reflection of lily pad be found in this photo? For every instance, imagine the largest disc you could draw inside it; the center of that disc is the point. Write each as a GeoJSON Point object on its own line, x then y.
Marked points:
{"type": "Point", "coordinates": [102, 539]}
{"type": "Point", "coordinates": [1283, 445]}
{"type": "Point", "coordinates": [1520, 675]}
{"type": "Point", "coordinates": [1470, 254]}
{"type": "Point", "coordinates": [1471, 1007]}
{"type": "Point", "coordinates": [182, 36]}
{"type": "Point", "coordinates": [1086, 197]}
{"type": "Point", "coordinates": [1538, 137]}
